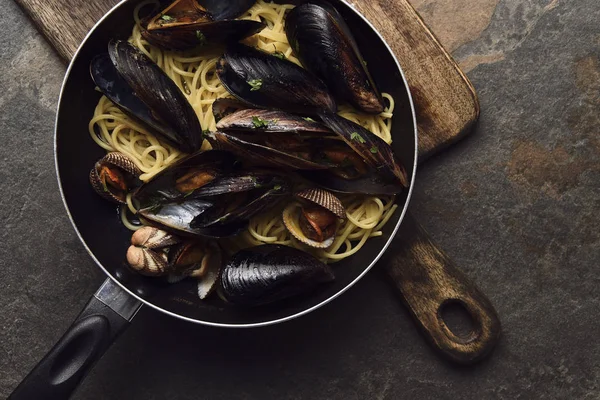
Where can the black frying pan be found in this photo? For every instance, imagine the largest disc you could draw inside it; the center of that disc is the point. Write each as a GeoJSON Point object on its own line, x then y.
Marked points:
{"type": "Point", "coordinates": [98, 225]}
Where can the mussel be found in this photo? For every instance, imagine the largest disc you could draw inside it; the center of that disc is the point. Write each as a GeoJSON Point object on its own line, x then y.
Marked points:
{"type": "Point", "coordinates": [113, 176]}
{"type": "Point", "coordinates": [374, 150]}
{"type": "Point", "coordinates": [265, 81]}
{"type": "Point", "coordinates": [268, 273]}
{"type": "Point", "coordinates": [186, 24]}
{"type": "Point", "coordinates": [202, 196]}
{"type": "Point", "coordinates": [314, 220]}
{"type": "Point", "coordinates": [143, 91]}
{"type": "Point", "coordinates": [324, 45]}
{"type": "Point", "coordinates": [270, 121]}
{"type": "Point", "coordinates": [224, 106]}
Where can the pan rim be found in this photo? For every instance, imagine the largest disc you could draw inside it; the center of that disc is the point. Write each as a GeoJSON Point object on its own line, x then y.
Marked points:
{"type": "Point", "coordinates": [254, 324]}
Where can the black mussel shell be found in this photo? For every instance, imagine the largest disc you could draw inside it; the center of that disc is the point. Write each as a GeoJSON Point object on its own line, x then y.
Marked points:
{"type": "Point", "coordinates": [201, 34]}
{"type": "Point", "coordinates": [155, 89]}
{"type": "Point", "coordinates": [177, 217]}
{"type": "Point", "coordinates": [267, 155]}
{"type": "Point", "coordinates": [179, 13]}
{"type": "Point", "coordinates": [225, 106]}
{"type": "Point", "coordinates": [270, 121]}
{"type": "Point", "coordinates": [163, 187]}
{"type": "Point", "coordinates": [107, 79]}
{"type": "Point", "coordinates": [324, 45]}
{"type": "Point", "coordinates": [226, 9]}
{"type": "Point", "coordinates": [374, 150]}
{"type": "Point", "coordinates": [268, 273]}
{"type": "Point", "coordinates": [265, 81]}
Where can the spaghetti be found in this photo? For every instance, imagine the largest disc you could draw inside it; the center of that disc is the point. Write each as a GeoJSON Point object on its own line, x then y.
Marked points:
{"type": "Point", "coordinates": [196, 76]}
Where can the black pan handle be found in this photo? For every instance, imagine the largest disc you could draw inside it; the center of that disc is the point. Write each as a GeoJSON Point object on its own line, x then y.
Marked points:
{"type": "Point", "coordinates": [429, 281]}
{"type": "Point", "coordinates": [101, 321]}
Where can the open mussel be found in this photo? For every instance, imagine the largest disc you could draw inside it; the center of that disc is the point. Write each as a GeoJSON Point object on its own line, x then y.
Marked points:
{"type": "Point", "coordinates": [314, 220]}
{"type": "Point", "coordinates": [143, 91]}
{"type": "Point", "coordinates": [113, 176]}
{"type": "Point", "coordinates": [373, 150]}
{"type": "Point", "coordinates": [268, 273]}
{"type": "Point", "coordinates": [265, 81]}
{"type": "Point", "coordinates": [324, 45]}
{"type": "Point", "coordinates": [224, 106]}
{"type": "Point", "coordinates": [186, 24]}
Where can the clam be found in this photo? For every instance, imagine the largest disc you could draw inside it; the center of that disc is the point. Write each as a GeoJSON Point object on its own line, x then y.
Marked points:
{"type": "Point", "coordinates": [143, 91]}
{"type": "Point", "coordinates": [264, 81]}
{"type": "Point", "coordinates": [314, 220]}
{"type": "Point", "coordinates": [372, 149]}
{"type": "Point", "coordinates": [113, 176]}
{"type": "Point", "coordinates": [324, 45]}
{"type": "Point", "coordinates": [268, 273]}
{"type": "Point", "coordinates": [145, 254]}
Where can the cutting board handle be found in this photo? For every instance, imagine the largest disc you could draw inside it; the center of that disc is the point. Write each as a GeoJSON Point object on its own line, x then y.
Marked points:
{"type": "Point", "coordinates": [428, 282]}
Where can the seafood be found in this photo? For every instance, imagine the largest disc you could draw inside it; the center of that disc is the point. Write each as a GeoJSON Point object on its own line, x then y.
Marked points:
{"type": "Point", "coordinates": [324, 44]}
{"type": "Point", "coordinates": [266, 81]}
{"type": "Point", "coordinates": [314, 220]}
{"type": "Point", "coordinates": [222, 107]}
{"type": "Point", "coordinates": [270, 121]}
{"type": "Point", "coordinates": [143, 91]}
{"type": "Point", "coordinates": [113, 176]}
{"type": "Point", "coordinates": [268, 273]}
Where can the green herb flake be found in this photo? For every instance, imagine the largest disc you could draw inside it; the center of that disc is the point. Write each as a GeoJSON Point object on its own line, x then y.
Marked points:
{"type": "Point", "coordinates": [201, 38]}
{"type": "Point", "coordinates": [374, 150]}
{"type": "Point", "coordinates": [279, 54]}
{"type": "Point", "coordinates": [167, 18]}
{"type": "Point", "coordinates": [188, 193]}
{"type": "Point", "coordinates": [356, 137]}
{"type": "Point", "coordinates": [255, 84]}
{"type": "Point", "coordinates": [364, 63]}
{"type": "Point", "coordinates": [309, 119]}
{"type": "Point", "coordinates": [259, 123]}
{"type": "Point", "coordinates": [277, 187]}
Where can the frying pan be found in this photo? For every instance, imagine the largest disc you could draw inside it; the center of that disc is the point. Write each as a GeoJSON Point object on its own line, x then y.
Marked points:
{"type": "Point", "coordinates": [98, 226]}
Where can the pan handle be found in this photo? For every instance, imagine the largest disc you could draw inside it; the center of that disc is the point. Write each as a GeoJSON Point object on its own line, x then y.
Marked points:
{"type": "Point", "coordinates": [428, 282]}
{"type": "Point", "coordinates": [101, 321]}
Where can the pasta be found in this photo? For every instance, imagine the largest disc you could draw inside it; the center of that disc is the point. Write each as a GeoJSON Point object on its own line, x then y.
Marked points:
{"type": "Point", "coordinates": [195, 75]}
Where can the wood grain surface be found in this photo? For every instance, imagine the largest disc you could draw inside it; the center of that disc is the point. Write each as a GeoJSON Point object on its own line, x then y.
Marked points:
{"type": "Point", "coordinates": [445, 100]}
{"type": "Point", "coordinates": [428, 281]}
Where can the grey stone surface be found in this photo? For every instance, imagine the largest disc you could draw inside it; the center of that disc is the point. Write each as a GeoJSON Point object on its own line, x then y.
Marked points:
{"type": "Point", "coordinates": [515, 204]}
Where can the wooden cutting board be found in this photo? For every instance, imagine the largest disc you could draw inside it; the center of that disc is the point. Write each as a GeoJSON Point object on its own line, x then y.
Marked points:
{"type": "Point", "coordinates": [445, 101]}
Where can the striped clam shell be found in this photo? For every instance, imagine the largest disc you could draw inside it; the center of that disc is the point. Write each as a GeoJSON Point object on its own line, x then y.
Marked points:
{"type": "Point", "coordinates": [325, 199]}
{"type": "Point", "coordinates": [153, 238]}
{"type": "Point", "coordinates": [290, 220]}
{"type": "Point", "coordinates": [113, 159]}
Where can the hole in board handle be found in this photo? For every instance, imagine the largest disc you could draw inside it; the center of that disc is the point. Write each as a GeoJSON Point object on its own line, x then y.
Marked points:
{"type": "Point", "coordinates": [457, 318]}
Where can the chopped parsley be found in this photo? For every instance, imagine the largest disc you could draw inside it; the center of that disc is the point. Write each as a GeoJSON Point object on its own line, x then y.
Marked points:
{"type": "Point", "coordinates": [259, 123]}
{"type": "Point", "coordinates": [356, 137]}
{"type": "Point", "coordinates": [364, 63]}
{"type": "Point", "coordinates": [201, 38]}
{"type": "Point", "coordinates": [309, 119]}
{"type": "Point", "coordinates": [255, 84]}
{"type": "Point", "coordinates": [277, 187]}
{"type": "Point", "coordinates": [188, 193]}
{"type": "Point", "coordinates": [167, 18]}
{"type": "Point", "coordinates": [279, 54]}
{"type": "Point", "coordinates": [374, 150]}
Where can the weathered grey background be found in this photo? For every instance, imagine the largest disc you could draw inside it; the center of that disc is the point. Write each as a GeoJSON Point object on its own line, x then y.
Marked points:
{"type": "Point", "coordinates": [515, 205]}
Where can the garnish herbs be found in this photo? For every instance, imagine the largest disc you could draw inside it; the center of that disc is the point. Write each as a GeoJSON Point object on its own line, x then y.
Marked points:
{"type": "Point", "coordinates": [167, 18]}
{"type": "Point", "coordinates": [309, 119]}
{"type": "Point", "coordinates": [255, 84]}
{"type": "Point", "coordinates": [258, 122]}
{"type": "Point", "coordinates": [356, 137]}
{"type": "Point", "coordinates": [279, 54]}
{"type": "Point", "coordinates": [277, 187]}
{"type": "Point", "coordinates": [374, 150]}
{"type": "Point", "coordinates": [201, 38]}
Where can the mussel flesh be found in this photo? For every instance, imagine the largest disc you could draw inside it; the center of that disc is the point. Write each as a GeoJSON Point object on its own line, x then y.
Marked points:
{"type": "Point", "coordinates": [113, 176]}
{"type": "Point", "coordinates": [324, 45]}
{"type": "Point", "coordinates": [268, 273]}
{"type": "Point", "coordinates": [265, 81]}
{"type": "Point", "coordinates": [374, 150]}
{"type": "Point", "coordinates": [314, 221]}
{"type": "Point", "coordinates": [270, 121]}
